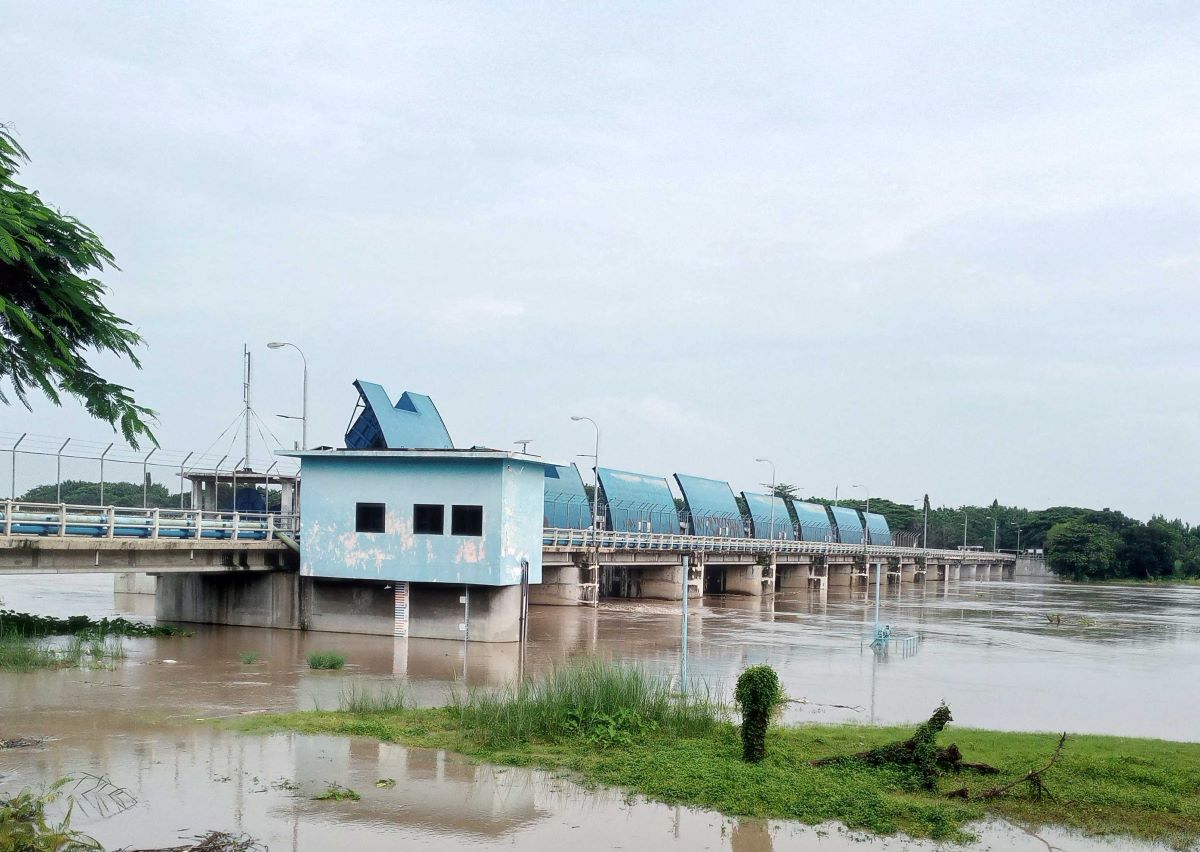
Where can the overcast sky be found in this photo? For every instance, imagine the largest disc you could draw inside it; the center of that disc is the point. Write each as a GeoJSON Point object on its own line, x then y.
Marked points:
{"type": "Point", "coordinates": [938, 247]}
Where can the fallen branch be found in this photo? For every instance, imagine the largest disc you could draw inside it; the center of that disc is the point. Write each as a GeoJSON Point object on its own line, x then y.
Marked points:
{"type": "Point", "coordinates": [1037, 787]}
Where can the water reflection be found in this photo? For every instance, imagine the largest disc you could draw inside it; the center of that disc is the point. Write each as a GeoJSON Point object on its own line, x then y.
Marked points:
{"type": "Point", "coordinates": [980, 642]}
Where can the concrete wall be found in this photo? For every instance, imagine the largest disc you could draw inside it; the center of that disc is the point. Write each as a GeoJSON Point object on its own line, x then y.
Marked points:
{"type": "Point", "coordinates": [289, 601]}
{"type": "Point", "coordinates": [509, 490]}
{"type": "Point", "coordinates": [1032, 566]}
{"type": "Point", "coordinates": [135, 584]}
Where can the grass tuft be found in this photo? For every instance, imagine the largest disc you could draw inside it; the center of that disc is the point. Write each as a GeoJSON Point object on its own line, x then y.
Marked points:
{"type": "Point", "coordinates": [326, 660]}
{"type": "Point", "coordinates": [357, 698]}
{"type": "Point", "coordinates": [248, 658]}
{"type": "Point", "coordinates": [595, 700]}
{"type": "Point", "coordinates": [337, 793]}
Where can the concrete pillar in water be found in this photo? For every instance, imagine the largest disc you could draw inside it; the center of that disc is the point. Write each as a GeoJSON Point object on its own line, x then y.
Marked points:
{"type": "Point", "coordinates": [839, 575]}
{"type": "Point", "coordinates": [744, 580]}
{"type": "Point", "coordinates": [665, 582]}
{"type": "Point", "coordinates": [565, 585]}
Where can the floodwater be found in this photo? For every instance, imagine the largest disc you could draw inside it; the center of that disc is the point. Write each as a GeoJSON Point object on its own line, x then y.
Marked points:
{"type": "Point", "coordinates": [1020, 655]}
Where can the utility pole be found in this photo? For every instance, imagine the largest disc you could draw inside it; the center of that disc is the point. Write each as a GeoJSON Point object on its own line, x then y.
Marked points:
{"type": "Point", "coordinates": [771, 534]}
{"type": "Point", "coordinates": [246, 399]}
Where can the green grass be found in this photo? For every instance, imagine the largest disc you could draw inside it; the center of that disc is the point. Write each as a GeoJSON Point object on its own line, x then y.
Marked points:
{"type": "Point", "coordinates": [357, 698]}
{"type": "Point", "coordinates": [337, 793]}
{"type": "Point", "coordinates": [326, 660]}
{"type": "Point", "coordinates": [20, 653]}
{"type": "Point", "coordinates": [687, 753]}
{"type": "Point", "coordinates": [25, 624]}
{"type": "Point", "coordinates": [248, 658]}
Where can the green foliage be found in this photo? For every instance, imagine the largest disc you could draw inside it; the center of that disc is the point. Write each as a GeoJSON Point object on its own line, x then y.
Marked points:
{"type": "Point", "coordinates": [51, 313]}
{"type": "Point", "coordinates": [84, 493]}
{"type": "Point", "coordinates": [1113, 786]}
{"type": "Point", "coordinates": [248, 658]}
{"type": "Point", "coordinates": [337, 793]}
{"type": "Point", "coordinates": [25, 826]}
{"type": "Point", "coordinates": [356, 698]}
{"type": "Point", "coordinates": [1081, 551]}
{"type": "Point", "coordinates": [326, 660]}
{"type": "Point", "coordinates": [595, 701]}
{"type": "Point", "coordinates": [25, 624]}
{"type": "Point", "coordinates": [21, 653]}
{"type": "Point", "coordinates": [758, 693]}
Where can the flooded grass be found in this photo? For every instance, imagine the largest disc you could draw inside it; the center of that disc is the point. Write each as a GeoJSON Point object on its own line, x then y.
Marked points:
{"type": "Point", "coordinates": [248, 658]}
{"type": "Point", "coordinates": [326, 660]}
{"type": "Point", "coordinates": [592, 699]}
{"type": "Point", "coordinates": [358, 698]}
{"type": "Point", "coordinates": [25, 624]}
{"type": "Point", "coordinates": [617, 726]}
{"type": "Point", "coordinates": [20, 653]}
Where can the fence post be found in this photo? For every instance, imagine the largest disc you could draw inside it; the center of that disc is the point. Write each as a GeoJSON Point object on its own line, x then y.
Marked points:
{"type": "Point", "coordinates": [62, 520]}
{"type": "Point", "coordinates": [154, 533]}
{"type": "Point", "coordinates": [111, 511]}
{"type": "Point", "coordinates": [8, 510]}
{"type": "Point", "coordinates": [236, 522]}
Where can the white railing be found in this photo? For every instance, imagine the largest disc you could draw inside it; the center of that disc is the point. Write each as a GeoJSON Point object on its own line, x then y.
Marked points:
{"type": "Point", "coordinates": [61, 520]}
{"type": "Point", "coordinates": [619, 540]}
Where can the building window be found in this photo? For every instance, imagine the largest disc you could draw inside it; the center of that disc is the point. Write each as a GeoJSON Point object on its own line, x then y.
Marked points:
{"type": "Point", "coordinates": [368, 517]}
{"type": "Point", "coordinates": [466, 520]}
{"type": "Point", "coordinates": [429, 518]}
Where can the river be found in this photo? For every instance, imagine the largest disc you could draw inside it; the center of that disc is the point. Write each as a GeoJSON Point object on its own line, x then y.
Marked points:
{"type": "Point", "coordinates": [1017, 655]}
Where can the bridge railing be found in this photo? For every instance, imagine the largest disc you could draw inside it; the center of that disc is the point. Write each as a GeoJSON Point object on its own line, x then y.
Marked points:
{"type": "Point", "coordinates": [568, 539]}
{"type": "Point", "coordinates": [63, 520]}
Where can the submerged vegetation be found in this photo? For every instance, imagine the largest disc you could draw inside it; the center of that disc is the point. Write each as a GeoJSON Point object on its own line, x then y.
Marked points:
{"type": "Point", "coordinates": [19, 653]}
{"type": "Point", "coordinates": [620, 726]}
{"type": "Point", "coordinates": [326, 660]}
{"type": "Point", "coordinates": [24, 624]}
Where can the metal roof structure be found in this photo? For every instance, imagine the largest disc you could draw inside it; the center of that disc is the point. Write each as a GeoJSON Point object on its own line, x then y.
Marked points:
{"type": "Point", "coordinates": [849, 524]}
{"type": "Point", "coordinates": [878, 530]}
{"type": "Point", "coordinates": [765, 510]}
{"type": "Point", "coordinates": [566, 502]}
{"type": "Point", "coordinates": [813, 521]}
{"type": "Point", "coordinates": [637, 502]}
{"type": "Point", "coordinates": [711, 507]}
{"type": "Point", "coordinates": [413, 423]}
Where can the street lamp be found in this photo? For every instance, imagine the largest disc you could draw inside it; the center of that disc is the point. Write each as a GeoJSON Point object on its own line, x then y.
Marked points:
{"type": "Point", "coordinates": [867, 511]}
{"type": "Point", "coordinates": [925, 525]}
{"type": "Point", "coordinates": [1018, 526]}
{"type": "Point", "coordinates": [596, 472]}
{"type": "Point", "coordinates": [303, 418]}
{"type": "Point", "coordinates": [995, 527]}
{"type": "Point", "coordinates": [772, 464]}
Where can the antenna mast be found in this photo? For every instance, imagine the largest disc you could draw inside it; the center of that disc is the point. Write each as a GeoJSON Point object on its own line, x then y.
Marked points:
{"type": "Point", "coordinates": [246, 399]}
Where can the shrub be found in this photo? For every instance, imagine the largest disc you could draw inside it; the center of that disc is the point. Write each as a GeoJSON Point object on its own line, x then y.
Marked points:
{"type": "Point", "coordinates": [356, 698]}
{"type": "Point", "coordinates": [601, 702]}
{"type": "Point", "coordinates": [326, 660]}
{"type": "Point", "coordinates": [757, 694]}
{"type": "Point", "coordinates": [249, 658]}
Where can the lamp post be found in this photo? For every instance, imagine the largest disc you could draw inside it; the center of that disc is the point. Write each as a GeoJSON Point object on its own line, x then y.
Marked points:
{"type": "Point", "coordinates": [964, 547]}
{"type": "Point", "coordinates": [995, 532]}
{"type": "Point", "coordinates": [595, 472]}
{"type": "Point", "coordinates": [867, 511]}
{"type": "Point", "coordinates": [1018, 526]}
{"type": "Point", "coordinates": [925, 525]}
{"type": "Point", "coordinates": [303, 418]}
{"type": "Point", "coordinates": [772, 525]}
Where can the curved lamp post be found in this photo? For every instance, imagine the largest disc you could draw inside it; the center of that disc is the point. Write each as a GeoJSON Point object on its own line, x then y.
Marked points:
{"type": "Point", "coordinates": [303, 418]}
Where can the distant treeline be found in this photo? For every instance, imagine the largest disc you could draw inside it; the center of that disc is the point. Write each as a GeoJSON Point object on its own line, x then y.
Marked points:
{"type": "Point", "coordinates": [83, 493]}
{"type": "Point", "coordinates": [1081, 544]}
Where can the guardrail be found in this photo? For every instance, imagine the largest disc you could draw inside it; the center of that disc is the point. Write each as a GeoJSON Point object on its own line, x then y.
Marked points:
{"type": "Point", "coordinates": [62, 520]}
{"type": "Point", "coordinates": [620, 540]}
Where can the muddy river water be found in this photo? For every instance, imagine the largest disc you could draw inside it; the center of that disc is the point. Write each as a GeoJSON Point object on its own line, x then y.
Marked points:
{"type": "Point", "coordinates": [1019, 655]}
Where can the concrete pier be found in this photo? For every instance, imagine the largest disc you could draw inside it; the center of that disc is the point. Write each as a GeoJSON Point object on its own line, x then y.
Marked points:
{"type": "Point", "coordinates": [566, 585]}
{"type": "Point", "coordinates": [291, 602]}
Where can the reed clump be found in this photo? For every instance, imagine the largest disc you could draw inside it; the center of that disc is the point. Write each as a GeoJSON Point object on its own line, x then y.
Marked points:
{"type": "Point", "coordinates": [599, 701]}
{"type": "Point", "coordinates": [358, 698]}
{"type": "Point", "coordinates": [326, 660]}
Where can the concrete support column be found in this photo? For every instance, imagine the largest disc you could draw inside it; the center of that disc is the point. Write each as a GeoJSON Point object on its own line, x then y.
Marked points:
{"type": "Point", "coordinates": [908, 571]}
{"type": "Point", "coordinates": [839, 575]}
{"type": "Point", "coordinates": [565, 585]}
{"type": "Point", "coordinates": [744, 580]}
{"type": "Point", "coordinates": [791, 576]}
{"type": "Point", "coordinates": [666, 582]}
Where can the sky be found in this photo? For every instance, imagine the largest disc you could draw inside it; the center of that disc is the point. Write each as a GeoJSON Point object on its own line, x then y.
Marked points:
{"type": "Point", "coordinates": [928, 247]}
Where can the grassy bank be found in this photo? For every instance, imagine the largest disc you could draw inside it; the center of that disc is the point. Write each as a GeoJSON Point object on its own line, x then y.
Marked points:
{"type": "Point", "coordinates": [619, 727]}
{"type": "Point", "coordinates": [20, 653]}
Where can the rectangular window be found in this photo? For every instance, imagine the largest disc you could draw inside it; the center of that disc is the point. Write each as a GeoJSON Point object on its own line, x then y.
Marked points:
{"type": "Point", "coordinates": [368, 517]}
{"type": "Point", "coordinates": [429, 518]}
{"type": "Point", "coordinates": [466, 520]}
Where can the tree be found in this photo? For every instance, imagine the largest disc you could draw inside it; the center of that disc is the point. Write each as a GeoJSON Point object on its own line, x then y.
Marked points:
{"type": "Point", "coordinates": [51, 313]}
{"type": "Point", "coordinates": [785, 491]}
{"type": "Point", "coordinates": [1081, 550]}
{"type": "Point", "coordinates": [1148, 550]}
